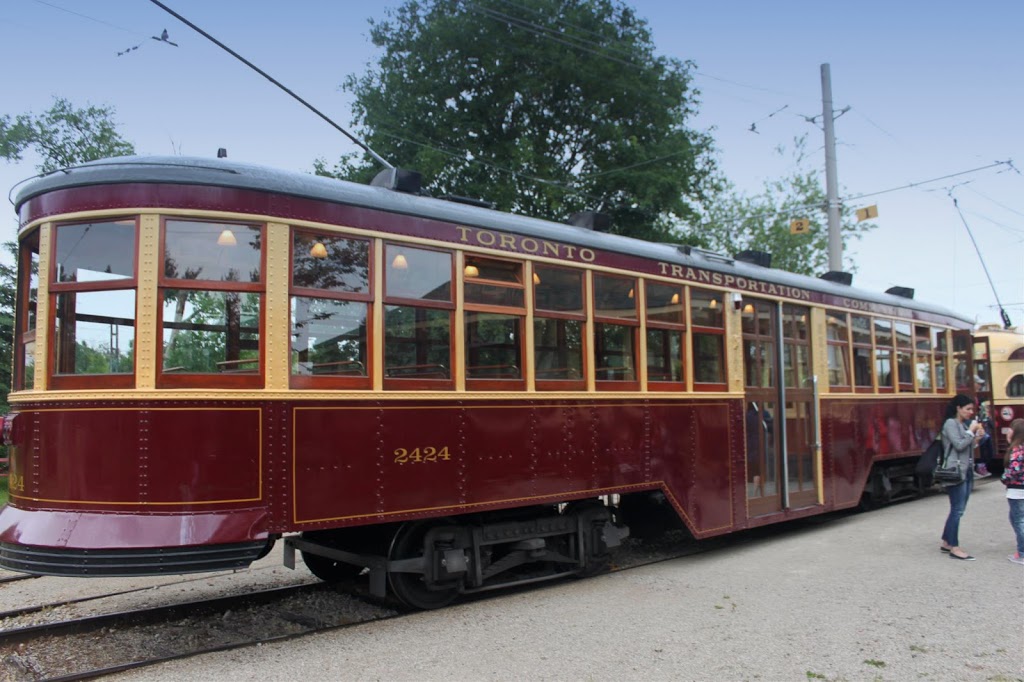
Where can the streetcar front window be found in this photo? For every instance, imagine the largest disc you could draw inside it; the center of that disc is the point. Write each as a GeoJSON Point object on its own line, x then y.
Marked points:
{"type": "Point", "coordinates": [88, 338]}
{"type": "Point", "coordinates": [92, 296]}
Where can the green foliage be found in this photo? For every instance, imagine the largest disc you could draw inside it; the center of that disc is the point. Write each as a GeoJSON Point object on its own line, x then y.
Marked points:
{"type": "Point", "coordinates": [543, 107]}
{"type": "Point", "coordinates": [735, 222]}
{"type": "Point", "coordinates": [63, 136]}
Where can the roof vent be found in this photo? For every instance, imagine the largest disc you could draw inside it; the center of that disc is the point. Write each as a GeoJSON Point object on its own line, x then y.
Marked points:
{"type": "Point", "coordinates": [837, 276]}
{"type": "Point", "coordinates": [762, 258]}
{"type": "Point", "coordinates": [469, 201]}
{"type": "Point", "coordinates": [591, 220]}
{"type": "Point", "coordinates": [902, 292]}
{"type": "Point", "coordinates": [398, 179]}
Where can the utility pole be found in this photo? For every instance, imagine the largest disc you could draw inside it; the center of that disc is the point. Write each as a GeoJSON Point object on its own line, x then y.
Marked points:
{"type": "Point", "coordinates": [835, 239]}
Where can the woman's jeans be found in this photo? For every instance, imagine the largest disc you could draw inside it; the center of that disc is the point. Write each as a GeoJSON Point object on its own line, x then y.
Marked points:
{"type": "Point", "coordinates": [958, 495]}
{"type": "Point", "coordinates": [1017, 521]}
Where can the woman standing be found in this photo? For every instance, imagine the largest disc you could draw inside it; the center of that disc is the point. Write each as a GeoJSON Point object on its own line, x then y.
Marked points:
{"type": "Point", "coordinates": [959, 436]}
{"type": "Point", "coordinates": [1013, 479]}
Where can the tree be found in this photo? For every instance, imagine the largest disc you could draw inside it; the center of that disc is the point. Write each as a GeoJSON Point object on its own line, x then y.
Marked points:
{"type": "Point", "coordinates": [63, 136]}
{"type": "Point", "coordinates": [543, 107]}
{"type": "Point", "coordinates": [734, 222]}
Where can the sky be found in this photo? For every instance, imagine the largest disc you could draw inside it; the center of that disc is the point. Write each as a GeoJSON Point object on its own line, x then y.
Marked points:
{"type": "Point", "coordinates": [933, 88]}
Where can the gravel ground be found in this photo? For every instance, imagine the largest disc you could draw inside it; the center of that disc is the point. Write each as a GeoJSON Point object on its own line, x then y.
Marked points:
{"type": "Point", "coordinates": [864, 597]}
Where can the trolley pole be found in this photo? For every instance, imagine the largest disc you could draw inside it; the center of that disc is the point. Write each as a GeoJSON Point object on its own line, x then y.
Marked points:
{"type": "Point", "coordinates": [835, 239]}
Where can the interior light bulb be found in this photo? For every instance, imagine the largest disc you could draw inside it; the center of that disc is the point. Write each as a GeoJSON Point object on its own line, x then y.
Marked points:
{"type": "Point", "coordinates": [399, 262]}
{"type": "Point", "coordinates": [227, 238]}
{"type": "Point", "coordinates": [318, 250]}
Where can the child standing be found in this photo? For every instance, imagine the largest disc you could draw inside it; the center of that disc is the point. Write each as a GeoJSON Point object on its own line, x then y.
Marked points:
{"type": "Point", "coordinates": [1013, 479]}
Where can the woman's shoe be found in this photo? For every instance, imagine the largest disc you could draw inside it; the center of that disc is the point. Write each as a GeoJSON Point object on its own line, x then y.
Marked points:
{"type": "Point", "coordinates": [1016, 558]}
{"type": "Point", "coordinates": [965, 557]}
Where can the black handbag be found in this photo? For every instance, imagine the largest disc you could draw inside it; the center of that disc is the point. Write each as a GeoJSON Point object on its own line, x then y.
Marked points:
{"type": "Point", "coordinates": [947, 474]}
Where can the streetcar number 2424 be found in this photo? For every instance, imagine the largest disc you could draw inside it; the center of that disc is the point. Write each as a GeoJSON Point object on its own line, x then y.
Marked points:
{"type": "Point", "coordinates": [417, 455]}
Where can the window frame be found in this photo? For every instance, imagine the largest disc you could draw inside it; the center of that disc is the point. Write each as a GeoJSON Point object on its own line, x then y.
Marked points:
{"type": "Point", "coordinates": [668, 385]}
{"type": "Point", "coordinates": [57, 381]}
{"type": "Point", "coordinates": [632, 324]}
{"type": "Point", "coordinates": [846, 345]}
{"type": "Point", "coordinates": [570, 384]}
{"type": "Point", "coordinates": [517, 312]}
{"type": "Point", "coordinates": [702, 330]}
{"type": "Point", "coordinates": [393, 383]}
{"type": "Point", "coordinates": [328, 381]}
{"type": "Point", "coordinates": [209, 380]}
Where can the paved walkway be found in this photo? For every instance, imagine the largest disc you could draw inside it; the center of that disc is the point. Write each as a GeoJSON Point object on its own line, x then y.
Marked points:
{"type": "Point", "coordinates": [864, 597]}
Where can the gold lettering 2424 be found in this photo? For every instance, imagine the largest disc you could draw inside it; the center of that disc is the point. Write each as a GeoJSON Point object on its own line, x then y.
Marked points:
{"type": "Point", "coordinates": [421, 455]}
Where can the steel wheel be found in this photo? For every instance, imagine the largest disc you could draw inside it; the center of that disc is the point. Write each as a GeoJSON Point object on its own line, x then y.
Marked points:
{"type": "Point", "coordinates": [411, 588]}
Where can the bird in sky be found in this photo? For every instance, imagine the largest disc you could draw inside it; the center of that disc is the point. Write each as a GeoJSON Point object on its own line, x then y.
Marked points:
{"type": "Point", "coordinates": [163, 38]}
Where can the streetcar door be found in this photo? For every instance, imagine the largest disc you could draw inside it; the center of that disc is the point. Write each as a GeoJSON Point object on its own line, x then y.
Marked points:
{"type": "Point", "coordinates": [779, 412]}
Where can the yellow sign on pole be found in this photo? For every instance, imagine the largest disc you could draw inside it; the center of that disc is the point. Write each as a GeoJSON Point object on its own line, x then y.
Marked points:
{"type": "Point", "coordinates": [867, 213]}
{"type": "Point", "coordinates": [799, 226]}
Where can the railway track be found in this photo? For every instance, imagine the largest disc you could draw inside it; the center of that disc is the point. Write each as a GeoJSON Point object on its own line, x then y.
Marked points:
{"type": "Point", "coordinates": [94, 646]}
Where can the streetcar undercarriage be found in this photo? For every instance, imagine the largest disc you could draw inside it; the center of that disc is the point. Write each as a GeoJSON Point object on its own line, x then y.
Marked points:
{"type": "Point", "coordinates": [428, 563]}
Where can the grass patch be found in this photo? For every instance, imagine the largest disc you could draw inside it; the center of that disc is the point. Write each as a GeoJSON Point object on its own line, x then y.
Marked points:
{"type": "Point", "coordinates": [877, 664]}
{"type": "Point", "coordinates": [3, 491]}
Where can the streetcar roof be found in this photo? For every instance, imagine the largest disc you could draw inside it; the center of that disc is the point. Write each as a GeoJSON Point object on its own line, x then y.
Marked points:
{"type": "Point", "coordinates": [232, 174]}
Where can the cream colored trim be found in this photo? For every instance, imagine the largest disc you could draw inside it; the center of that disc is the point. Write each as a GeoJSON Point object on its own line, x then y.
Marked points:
{"type": "Point", "coordinates": [131, 397]}
{"type": "Point", "coordinates": [588, 292]}
{"type": "Point", "coordinates": [147, 303]}
{"type": "Point", "coordinates": [733, 344]}
{"type": "Point", "coordinates": [377, 335]}
{"type": "Point", "coordinates": [819, 348]}
{"type": "Point", "coordinates": [528, 347]}
{"type": "Point", "coordinates": [277, 306]}
{"type": "Point", "coordinates": [641, 312]}
{"type": "Point", "coordinates": [688, 340]}
{"type": "Point", "coordinates": [459, 359]}
{"type": "Point", "coordinates": [43, 309]}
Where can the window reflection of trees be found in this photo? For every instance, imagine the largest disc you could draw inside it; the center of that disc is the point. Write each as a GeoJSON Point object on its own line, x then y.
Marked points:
{"type": "Point", "coordinates": [211, 297]}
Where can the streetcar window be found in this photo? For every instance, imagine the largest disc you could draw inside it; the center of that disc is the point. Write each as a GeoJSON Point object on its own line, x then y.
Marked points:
{"type": "Point", "coordinates": [211, 294]}
{"type": "Point", "coordinates": [417, 274]}
{"type": "Point", "coordinates": [883, 354]}
{"type": "Point", "coordinates": [860, 328]}
{"type": "Point", "coordinates": [941, 358]}
{"type": "Point", "coordinates": [904, 358]}
{"type": "Point", "coordinates": [837, 333]}
{"type": "Point", "coordinates": [796, 346]}
{"type": "Point", "coordinates": [330, 311]}
{"type": "Point", "coordinates": [760, 359]}
{"type": "Point", "coordinates": [417, 343]}
{"type": "Point", "coordinates": [418, 321]}
{"type": "Point", "coordinates": [494, 322]}
{"type": "Point", "coordinates": [708, 336]}
{"type": "Point", "coordinates": [210, 332]}
{"type": "Point", "coordinates": [558, 328]}
{"type": "Point", "coordinates": [217, 252]}
{"type": "Point", "coordinates": [88, 339]}
{"type": "Point", "coordinates": [330, 263]}
{"type": "Point", "coordinates": [329, 338]}
{"type": "Point", "coordinates": [25, 327]}
{"type": "Point", "coordinates": [1015, 386]}
{"type": "Point", "coordinates": [666, 323]}
{"type": "Point", "coordinates": [615, 328]}
{"type": "Point", "coordinates": [93, 291]}
{"type": "Point", "coordinates": [923, 358]}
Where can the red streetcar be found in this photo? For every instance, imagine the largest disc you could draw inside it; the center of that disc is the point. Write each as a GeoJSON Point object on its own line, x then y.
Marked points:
{"type": "Point", "coordinates": [212, 355]}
